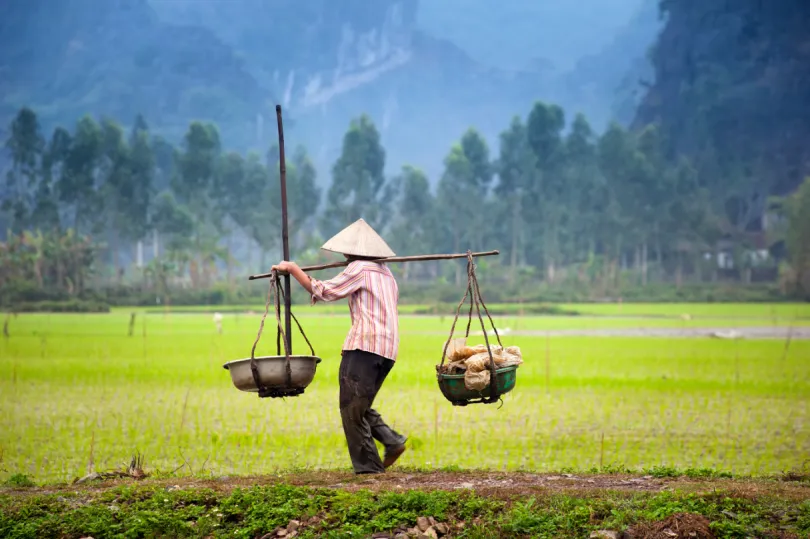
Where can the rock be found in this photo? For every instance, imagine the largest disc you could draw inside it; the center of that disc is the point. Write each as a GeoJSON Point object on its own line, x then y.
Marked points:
{"type": "Point", "coordinates": [605, 534]}
{"type": "Point", "coordinates": [423, 524]}
{"type": "Point", "coordinates": [432, 522]}
{"type": "Point", "coordinates": [460, 524]}
{"type": "Point", "coordinates": [442, 529]}
{"type": "Point", "coordinates": [465, 485]}
{"type": "Point", "coordinates": [431, 532]}
{"type": "Point", "coordinates": [293, 525]}
{"type": "Point", "coordinates": [401, 536]}
{"type": "Point", "coordinates": [281, 533]}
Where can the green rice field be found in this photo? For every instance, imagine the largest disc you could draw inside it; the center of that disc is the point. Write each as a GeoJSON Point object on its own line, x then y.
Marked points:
{"type": "Point", "coordinates": [77, 393]}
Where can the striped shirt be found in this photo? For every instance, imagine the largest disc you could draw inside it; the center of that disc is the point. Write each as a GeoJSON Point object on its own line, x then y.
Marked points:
{"type": "Point", "coordinates": [373, 295]}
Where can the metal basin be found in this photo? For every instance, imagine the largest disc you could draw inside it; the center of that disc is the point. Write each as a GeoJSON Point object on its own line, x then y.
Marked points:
{"type": "Point", "coordinates": [272, 373]}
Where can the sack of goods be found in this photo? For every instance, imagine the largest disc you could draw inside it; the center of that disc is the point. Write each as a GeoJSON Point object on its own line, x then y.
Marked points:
{"type": "Point", "coordinates": [473, 361]}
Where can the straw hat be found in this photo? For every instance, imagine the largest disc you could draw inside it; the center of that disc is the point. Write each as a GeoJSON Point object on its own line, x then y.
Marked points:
{"type": "Point", "coordinates": [358, 239]}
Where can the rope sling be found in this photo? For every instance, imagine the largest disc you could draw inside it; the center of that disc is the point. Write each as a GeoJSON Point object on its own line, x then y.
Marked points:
{"type": "Point", "coordinates": [275, 295]}
{"type": "Point", "coordinates": [476, 301]}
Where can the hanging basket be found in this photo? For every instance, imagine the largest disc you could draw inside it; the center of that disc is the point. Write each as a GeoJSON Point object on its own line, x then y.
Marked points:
{"type": "Point", "coordinates": [454, 390]}
{"type": "Point", "coordinates": [502, 380]}
{"type": "Point", "coordinates": [274, 376]}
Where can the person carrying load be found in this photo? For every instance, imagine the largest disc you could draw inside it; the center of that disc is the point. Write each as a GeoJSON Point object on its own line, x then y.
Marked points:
{"type": "Point", "coordinates": [370, 349]}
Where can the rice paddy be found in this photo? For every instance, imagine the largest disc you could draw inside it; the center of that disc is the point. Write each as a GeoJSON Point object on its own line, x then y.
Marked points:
{"type": "Point", "coordinates": [78, 393]}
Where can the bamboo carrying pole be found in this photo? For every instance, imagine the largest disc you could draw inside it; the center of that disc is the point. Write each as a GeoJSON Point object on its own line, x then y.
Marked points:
{"type": "Point", "coordinates": [285, 239]}
{"type": "Point", "coordinates": [416, 258]}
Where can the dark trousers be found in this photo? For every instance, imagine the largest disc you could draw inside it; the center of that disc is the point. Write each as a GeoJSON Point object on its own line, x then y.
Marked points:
{"type": "Point", "coordinates": [361, 376]}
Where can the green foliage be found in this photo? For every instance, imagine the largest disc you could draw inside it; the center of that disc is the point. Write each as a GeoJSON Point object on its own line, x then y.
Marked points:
{"type": "Point", "coordinates": [36, 266]}
{"type": "Point", "coordinates": [798, 237]}
{"type": "Point", "coordinates": [358, 185]}
{"type": "Point", "coordinates": [19, 480]}
{"type": "Point", "coordinates": [149, 511]}
{"type": "Point", "coordinates": [577, 216]}
{"type": "Point", "coordinates": [728, 94]}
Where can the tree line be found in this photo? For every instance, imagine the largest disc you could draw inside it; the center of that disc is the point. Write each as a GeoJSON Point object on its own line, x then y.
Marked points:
{"type": "Point", "coordinates": [561, 202]}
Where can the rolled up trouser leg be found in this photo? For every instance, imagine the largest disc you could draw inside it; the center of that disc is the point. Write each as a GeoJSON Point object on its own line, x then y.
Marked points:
{"type": "Point", "coordinates": [382, 432]}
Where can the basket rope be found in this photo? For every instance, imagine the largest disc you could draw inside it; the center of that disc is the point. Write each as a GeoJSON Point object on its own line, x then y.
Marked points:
{"type": "Point", "coordinates": [275, 294]}
{"type": "Point", "coordinates": [473, 291]}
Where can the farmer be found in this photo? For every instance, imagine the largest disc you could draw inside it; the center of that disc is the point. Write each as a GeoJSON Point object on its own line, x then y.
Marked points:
{"type": "Point", "coordinates": [371, 346]}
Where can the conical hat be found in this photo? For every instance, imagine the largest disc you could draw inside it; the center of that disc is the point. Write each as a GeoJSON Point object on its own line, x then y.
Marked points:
{"type": "Point", "coordinates": [358, 239]}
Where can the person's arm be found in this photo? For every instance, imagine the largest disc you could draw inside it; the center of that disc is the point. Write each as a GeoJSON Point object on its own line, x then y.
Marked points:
{"type": "Point", "coordinates": [343, 285]}
{"type": "Point", "coordinates": [293, 269]}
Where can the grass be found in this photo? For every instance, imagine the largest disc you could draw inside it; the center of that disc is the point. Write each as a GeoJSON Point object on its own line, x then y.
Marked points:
{"type": "Point", "coordinates": [77, 393]}
{"type": "Point", "coordinates": [151, 510]}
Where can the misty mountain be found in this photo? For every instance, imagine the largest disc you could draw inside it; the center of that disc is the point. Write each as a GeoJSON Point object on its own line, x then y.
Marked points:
{"type": "Point", "coordinates": [326, 62]}
{"type": "Point", "coordinates": [116, 58]}
{"type": "Point", "coordinates": [516, 34]}
{"type": "Point", "coordinates": [730, 91]}
{"type": "Point", "coordinates": [610, 84]}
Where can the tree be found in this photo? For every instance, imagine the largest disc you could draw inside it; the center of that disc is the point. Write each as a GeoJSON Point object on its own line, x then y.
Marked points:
{"type": "Point", "coordinates": [583, 186]}
{"type": "Point", "coordinates": [462, 192]}
{"type": "Point", "coordinates": [174, 223]}
{"type": "Point", "coordinates": [47, 213]}
{"type": "Point", "coordinates": [142, 166]}
{"type": "Point", "coordinates": [795, 211]}
{"type": "Point", "coordinates": [303, 194]}
{"type": "Point", "coordinates": [116, 184]}
{"type": "Point", "coordinates": [26, 145]}
{"type": "Point", "coordinates": [413, 230]}
{"type": "Point", "coordinates": [615, 154]}
{"type": "Point", "coordinates": [80, 184]}
{"type": "Point", "coordinates": [263, 215]}
{"type": "Point", "coordinates": [516, 169]}
{"type": "Point", "coordinates": [358, 181]}
{"type": "Point", "coordinates": [195, 184]}
{"type": "Point", "coordinates": [544, 132]}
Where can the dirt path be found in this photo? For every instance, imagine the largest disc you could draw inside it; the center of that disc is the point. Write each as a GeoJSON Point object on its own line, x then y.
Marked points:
{"type": "Point", "coordinates": [497, 484]}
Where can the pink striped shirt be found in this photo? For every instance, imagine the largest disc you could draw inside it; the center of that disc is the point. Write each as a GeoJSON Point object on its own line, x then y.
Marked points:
{"type": "Point", "coordinates": [373, 295]}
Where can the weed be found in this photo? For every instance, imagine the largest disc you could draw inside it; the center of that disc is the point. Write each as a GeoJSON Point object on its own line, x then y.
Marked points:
{"type": "Point", "coordinates": [20, 481]}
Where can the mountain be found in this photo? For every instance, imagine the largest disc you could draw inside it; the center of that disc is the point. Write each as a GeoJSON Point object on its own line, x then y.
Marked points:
{"type": "Point", "coordinates": [515, 34]}
{"type": "Point", "coordinates": [730, 91]}
{"type": "Point", "coordinates": [116, 58]}
{"type": "Point", "coordinates": [325, 61]}
{"type": "Point", "coordinates": [609, 85]}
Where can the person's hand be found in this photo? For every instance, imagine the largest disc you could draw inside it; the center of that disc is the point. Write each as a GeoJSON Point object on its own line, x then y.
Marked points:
{"type": "Point", "coordinates": [284, 266]}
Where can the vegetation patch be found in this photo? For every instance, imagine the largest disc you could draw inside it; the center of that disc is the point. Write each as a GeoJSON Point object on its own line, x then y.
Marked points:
{"type": "Point", "coordinates": [154, 510]}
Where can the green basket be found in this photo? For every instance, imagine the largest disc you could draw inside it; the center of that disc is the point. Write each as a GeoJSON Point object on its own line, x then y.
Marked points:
{"type": "Point", "coordinates": [454, 390]}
